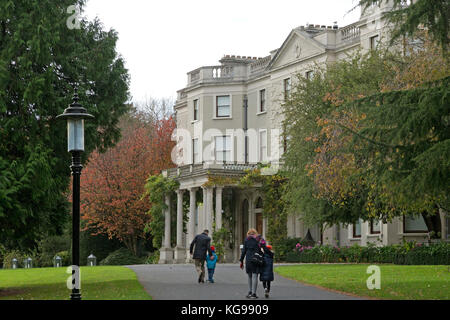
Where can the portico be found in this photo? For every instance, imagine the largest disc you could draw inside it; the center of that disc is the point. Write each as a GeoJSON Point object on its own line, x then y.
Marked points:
{"type": "Point", "coordinates": [208, 203]}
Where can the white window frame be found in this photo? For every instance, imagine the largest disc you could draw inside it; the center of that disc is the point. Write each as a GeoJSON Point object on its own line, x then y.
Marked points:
{"type": "Point", "coordinates": [377, 36]}
{"type": "Point", "coordinates": [223, 151]}
{"type": "Point", "coordinates": [372, 223]}
{"type": "Point", "coordinates": [258, 102]}
{"type": "Point", "coordinates": [353, 227]}
{"type": "Point", "coordinates": [198, 110]}
{"type": "Point", "coordinates": [286, 97]}
{"type": "Point", "coordinates": [262, 157]}
{"type": "Point", "coordinates": [215, 107]}
{"type": "Point", "coordinates": [195, 155]}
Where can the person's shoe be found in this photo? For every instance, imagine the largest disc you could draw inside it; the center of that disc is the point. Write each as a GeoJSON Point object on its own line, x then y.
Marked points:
{"type": "Point", "coordinates": [199, 279]}
{"type": "Point", "coordinates": [212, 281]}
{"type": "Point", "coordinates": [254, 296]}
{"type": "Point", "coordinates": [266, 293]}
{"type": "Point", "coordinates": [249, 294]}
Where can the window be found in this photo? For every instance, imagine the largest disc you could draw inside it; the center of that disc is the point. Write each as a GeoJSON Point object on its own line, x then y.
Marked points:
{"type": "Point", "coordinates": [374, 42]}
{"type": "Point", "coordinates": [357, 229]}
{"type": "Point", "coordinates": [262, 100]}
{"type": "Point", "coordinates": [195, 153]}
{"type": "Point", "coordinates": [263, 146]}
{"type": "Point", "coordinates": [374, 226]}
{"type": "Point", "coordinates": [414, 224]}
{"type": "Point", "coordinates": [223, 107]}
{"type": "Point", "coordinates": [223, 148]}
{"type": "Point", "coordinates": [309, 75]}
{"type": "Point", "coordinates": [195, 109]}
{"type": "Point", "coordinates": [287, 88]}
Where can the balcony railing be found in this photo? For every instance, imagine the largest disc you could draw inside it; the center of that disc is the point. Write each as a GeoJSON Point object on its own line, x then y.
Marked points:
{"type": "Point", "coordinates": [207, 168]}
{"type": "Point", "coordinates": [350, 33]}
{"type": "Point", "coordinates": [210, 74]}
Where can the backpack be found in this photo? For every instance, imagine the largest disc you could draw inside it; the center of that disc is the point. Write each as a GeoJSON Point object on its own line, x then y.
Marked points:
{"type": "Point", "coordinates": [257, 258]}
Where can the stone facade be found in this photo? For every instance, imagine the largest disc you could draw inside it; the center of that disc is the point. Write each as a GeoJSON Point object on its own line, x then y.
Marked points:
{"type": "Point", "coordinates": [242, 97]}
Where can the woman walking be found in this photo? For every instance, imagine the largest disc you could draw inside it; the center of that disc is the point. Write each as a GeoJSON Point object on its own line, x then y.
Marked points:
{"type": "Point", "coordinates": [251, 245]}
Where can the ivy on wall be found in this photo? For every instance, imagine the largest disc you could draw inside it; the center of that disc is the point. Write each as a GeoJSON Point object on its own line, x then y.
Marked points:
{"type": "Point", "coordinates": [156, 188]}
{"type": "Point", "coordinates": [274, 204]}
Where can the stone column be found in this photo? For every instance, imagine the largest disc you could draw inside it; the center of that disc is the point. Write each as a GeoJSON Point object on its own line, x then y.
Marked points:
{"type": "Point", "coordinates": [209, 210]}
{"type": "Point", "coordinates": [290, 226]}
{"type": "Point", "coordinates": [166, 252]}
{"type": "Point", "coordinates": [180, 251]}
{"type": "Point", "coordinates": [191, 224]}
{"type": "Point", "coordinates": [264, 228]}
{"type": "Point", "coordinates": [218, 208]}
{"type": "Point", "coordinates": [204, 211]}
{"type": "Point", "coordinates": [251, 214]}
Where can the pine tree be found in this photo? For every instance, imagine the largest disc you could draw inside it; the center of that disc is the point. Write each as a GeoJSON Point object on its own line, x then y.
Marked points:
{"type": "Point", "coordinates": [41, 59]}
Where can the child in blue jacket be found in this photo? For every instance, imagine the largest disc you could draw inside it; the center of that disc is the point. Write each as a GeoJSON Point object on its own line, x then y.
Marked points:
{"type": "Point", "coordinates": [211, 264]}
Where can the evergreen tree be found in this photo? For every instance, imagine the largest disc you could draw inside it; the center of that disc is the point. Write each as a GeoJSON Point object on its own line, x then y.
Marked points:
{"type": "Point", "coordinates": [43, 54]}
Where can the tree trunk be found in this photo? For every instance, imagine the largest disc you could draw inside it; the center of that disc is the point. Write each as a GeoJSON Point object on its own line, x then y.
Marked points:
{"type": "Point", "coordinates": [433, 222]}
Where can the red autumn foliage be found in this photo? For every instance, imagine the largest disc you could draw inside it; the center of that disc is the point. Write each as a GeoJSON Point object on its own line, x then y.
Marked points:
{"type": "Point", "coordinates": [112, 183]}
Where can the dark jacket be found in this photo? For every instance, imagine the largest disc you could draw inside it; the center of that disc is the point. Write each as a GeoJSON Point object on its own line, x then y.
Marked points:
{"type": "Point", "coordinates": [267, 268]}
{"type": "Point", "coordinates": [250, 246]}
{"type": "Point", "coordinates": [202, 244]}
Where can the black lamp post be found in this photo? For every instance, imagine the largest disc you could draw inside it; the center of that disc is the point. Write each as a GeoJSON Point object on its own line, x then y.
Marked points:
{"type": "Point", "coordinates": [75, 115]}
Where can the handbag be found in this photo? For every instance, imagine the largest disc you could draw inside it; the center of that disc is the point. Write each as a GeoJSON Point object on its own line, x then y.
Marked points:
{"type": "Point", "coordinates": [257, 258]}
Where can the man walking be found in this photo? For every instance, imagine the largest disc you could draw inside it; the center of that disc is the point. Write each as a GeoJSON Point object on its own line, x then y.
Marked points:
{"type": "Point", "coordinates": [202, 244]}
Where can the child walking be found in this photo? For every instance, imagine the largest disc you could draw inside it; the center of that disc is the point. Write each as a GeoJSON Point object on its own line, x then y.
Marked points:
{"type": "Point", "coordinates": [211, 264]}
{"type": "Point", "coordinates": [266, 275]}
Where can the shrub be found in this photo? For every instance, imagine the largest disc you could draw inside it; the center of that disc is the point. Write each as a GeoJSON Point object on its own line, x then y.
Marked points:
{"type": "Point", "coordinates": [285, 246]}
{"type": "Point", "coordinates": [10, 255]}
{"type": "Point", "coordinates": [65, 258]}
{"type": "Point", "coordinates": [49, 246]}
{"type": "Point", "coordinates": [121, 257]}
{"type": "Point", "coordinates": [99, 245]}
{"type": "Point", "coordinates": [412, 254]}
{"type": "Point", "coordinates": [153, 257]}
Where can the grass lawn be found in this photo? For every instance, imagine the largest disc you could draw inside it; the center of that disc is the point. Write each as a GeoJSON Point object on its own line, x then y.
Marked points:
{"type": "Point", "coordinates": [397, 281]}
{"type": "Point", "coordinates": [97, 283]}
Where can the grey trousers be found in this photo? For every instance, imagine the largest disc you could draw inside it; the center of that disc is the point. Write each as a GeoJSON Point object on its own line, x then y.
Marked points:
{"type": "Point", "coordinates": [200, 268]}
{"type": "Point", "coordinates": [252, 282]}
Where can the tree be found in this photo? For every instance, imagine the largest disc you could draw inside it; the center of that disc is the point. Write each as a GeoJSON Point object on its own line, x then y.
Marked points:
{"type": "Point", "coordinates": [375, 149]}
{"type": "Point", "coordinates": [113, 182]}
{"type": "Point", "coordinates": [319, 164]}
{"type": "Point", "coordinates": [433, 15]}
{"type": "Point", "coordinates": [40, 61]}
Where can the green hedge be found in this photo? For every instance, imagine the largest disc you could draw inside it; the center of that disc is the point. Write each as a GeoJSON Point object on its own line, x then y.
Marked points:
{"type": "Point", "coordinates": [415, 254]}
{"type": "Point", "coordinates": [284, 247]}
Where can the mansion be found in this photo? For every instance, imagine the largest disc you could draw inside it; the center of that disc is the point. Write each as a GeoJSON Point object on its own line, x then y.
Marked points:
{"type": "Point", "coordinates": [229, 118]}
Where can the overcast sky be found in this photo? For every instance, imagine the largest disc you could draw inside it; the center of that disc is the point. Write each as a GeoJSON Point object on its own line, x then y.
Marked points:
{"type": "Point", "coordinates": [162, 40]}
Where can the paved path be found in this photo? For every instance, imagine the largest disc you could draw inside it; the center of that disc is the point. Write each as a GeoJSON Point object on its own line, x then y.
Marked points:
{"type": "Point", "coordinates": [179, 282]}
